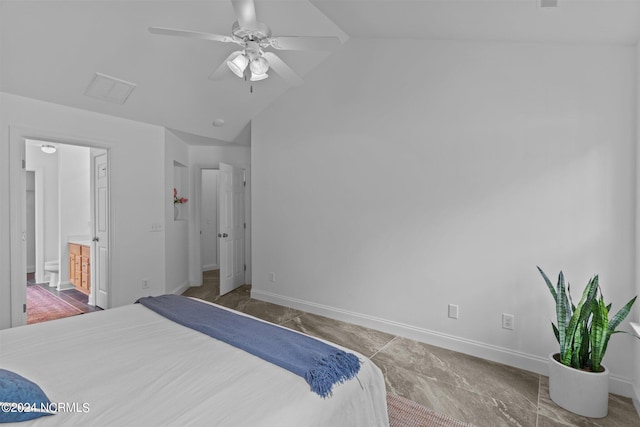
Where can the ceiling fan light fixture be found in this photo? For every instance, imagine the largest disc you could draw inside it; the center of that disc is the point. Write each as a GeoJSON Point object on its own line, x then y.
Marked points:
{"type": "Point", "coordinates": [47, 148]}
{"type": "Point", "coordinates": [259, 66]}
{"type": "Point", "coordinates": [238, 65]}
{"type": "Point", "coordinates": [258, 77]}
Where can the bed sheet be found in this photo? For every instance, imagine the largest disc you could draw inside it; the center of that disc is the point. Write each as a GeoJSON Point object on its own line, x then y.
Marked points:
{"type": "Point", "coordinates": [131, 366]}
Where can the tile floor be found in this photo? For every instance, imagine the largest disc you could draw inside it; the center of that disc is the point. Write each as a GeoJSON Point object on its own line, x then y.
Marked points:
{"type": "Point", "coordinates": [470, 389]}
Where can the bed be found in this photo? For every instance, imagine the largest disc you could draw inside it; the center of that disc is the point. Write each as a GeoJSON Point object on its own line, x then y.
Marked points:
{"type": "Point", "coordinates": [132, 366]}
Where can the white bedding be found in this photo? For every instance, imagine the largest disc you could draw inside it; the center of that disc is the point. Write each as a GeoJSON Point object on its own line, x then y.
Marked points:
{"type": "Point", "coordinates": [131, 366]}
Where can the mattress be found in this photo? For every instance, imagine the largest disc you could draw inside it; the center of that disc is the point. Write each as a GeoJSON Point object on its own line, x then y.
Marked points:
{"type": "Point", "coordinates": [131, 366]}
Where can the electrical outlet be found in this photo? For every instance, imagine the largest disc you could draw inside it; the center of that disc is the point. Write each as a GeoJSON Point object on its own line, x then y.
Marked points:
{"type": "Point", "coordinates": [156, 227]}
{"type": "Point", "coordinates": [453, 311]}
{"type": "Point", "coordinates": [548, 3]}
{"type": "Point", "coordinates": [272, 277]}
{"type": "Point", "coordinates": [508, 321]}
{"type": "Point", "coordinates": [145, 283]}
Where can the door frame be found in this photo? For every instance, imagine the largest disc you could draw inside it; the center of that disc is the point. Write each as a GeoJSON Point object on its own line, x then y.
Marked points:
{"type": "Point", "coordinates": [195, 242]}
{"type": "Point", "coordinates": [195, 261]}
{"type": "Point", "coordinates": [17, 201]}
{"type": "Point", "coordinates": [195, 267]}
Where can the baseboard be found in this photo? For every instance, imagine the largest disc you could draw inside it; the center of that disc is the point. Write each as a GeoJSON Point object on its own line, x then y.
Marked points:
{"type": "Point", "coordinates": [636, 399]}
{"type": "Point", "coordinates": [210, 267]}
{"type": "Point", "coordinates": [65, 286]}
{"type": "Point", "coordinates": [621, 386]}
{"type": "Point", "coordinates": [521, 360]}
{"type": "Point", "coordinates": [179, 290]}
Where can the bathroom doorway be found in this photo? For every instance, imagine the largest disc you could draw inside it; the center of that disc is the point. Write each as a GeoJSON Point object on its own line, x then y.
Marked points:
{"type": "Point", "coordinates": [61, 242]}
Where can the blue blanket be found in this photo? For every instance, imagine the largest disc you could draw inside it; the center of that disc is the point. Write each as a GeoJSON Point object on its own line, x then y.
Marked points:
{"type": "Point", "coordinates": [320, 364]}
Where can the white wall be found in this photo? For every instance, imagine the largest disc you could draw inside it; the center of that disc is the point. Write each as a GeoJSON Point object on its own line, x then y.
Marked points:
{"type": "Point", "coordinates": [177, 231]}
{"type": "Point", "coordinates": [210, 157]}
{"type": "Point", "coordinates": [137, 187]}
{"type": "Point", "coordinates": [74, 205]}
{"type": "Point", "coordinates": [382, 195]}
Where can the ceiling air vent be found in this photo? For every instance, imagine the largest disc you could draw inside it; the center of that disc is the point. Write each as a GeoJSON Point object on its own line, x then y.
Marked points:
{"type": "Point", "coordinates": [109, 88]}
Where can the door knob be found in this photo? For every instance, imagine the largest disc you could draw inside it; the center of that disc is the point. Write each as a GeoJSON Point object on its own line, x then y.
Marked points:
{"type": "Point", "coordinates": [96, 239]}
{"type": "Point", "coordinates": [225, 235]}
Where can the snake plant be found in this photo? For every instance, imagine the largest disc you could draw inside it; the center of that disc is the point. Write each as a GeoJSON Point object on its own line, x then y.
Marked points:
{"type": "Point", "coordinates": [583, 330]}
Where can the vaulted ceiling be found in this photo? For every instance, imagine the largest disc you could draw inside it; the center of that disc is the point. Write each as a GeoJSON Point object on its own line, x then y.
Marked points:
{"type": "Point", "coordinates": [50, 50]}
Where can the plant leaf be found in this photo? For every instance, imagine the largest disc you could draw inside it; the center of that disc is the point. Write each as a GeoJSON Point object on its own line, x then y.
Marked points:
{"type": "Point", "coordinates": [555, 332]}
{"type": "Point", "coordinates": [562, 307]}
{"type": "Point", "coordinates": [584, 350]}
{"type": "Point", "coordinates": [621, 314]}
{"type": "Point", "coordinates": [583, 331]}
{"type": "Point", "coordinates": [576, 347]}
{"type": "Point", "coordinates": [573, 307]}
{"type": "Point", "coordinates": [573, 334]}
{"type": "Point", "coordinates": [599, 333]}
{"type": "Point", "coordinates": [549, 285]}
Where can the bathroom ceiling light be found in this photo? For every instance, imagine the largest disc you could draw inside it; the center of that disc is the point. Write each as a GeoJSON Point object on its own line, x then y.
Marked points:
{"type": "Point", "coordinates": [49, 149]}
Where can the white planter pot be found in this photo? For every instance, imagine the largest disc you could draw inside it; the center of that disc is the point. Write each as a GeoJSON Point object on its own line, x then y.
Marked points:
{"type": "Point", "coordinates": [581, 392]}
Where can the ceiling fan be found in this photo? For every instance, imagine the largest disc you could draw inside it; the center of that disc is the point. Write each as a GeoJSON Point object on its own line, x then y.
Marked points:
{"type": "Point", "coordinates": [253, 61]}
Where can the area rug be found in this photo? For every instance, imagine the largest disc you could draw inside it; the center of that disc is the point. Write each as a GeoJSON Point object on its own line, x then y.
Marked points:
{"type": "Point", "coordinates": [43, 305]}
{"type": "Point", "coordinates": [407, 413]}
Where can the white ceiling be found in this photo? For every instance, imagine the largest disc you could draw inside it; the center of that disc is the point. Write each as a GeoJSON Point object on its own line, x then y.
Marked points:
{"type": "Point", "coordinates": [51, 49]}
{"type": "Point", "coordinates": [573, 21]}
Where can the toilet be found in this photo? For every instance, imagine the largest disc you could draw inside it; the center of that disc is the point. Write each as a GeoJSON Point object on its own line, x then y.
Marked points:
{"type": "Point", "coordinates": [51, 267]}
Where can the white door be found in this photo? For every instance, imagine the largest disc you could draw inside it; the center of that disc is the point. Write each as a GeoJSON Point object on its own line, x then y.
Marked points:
{"type": "Point", "coordinates": [100, 253]}
{"type": "Point", "coordinates": [231, 227]}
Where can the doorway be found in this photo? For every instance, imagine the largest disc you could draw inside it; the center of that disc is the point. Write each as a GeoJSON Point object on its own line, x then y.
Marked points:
{"type": "Point", "coordinates": [221, 225]}
{"type": "Point", "coordinates": [62, 187]}
{"type": "Point", "coordinates": [209, 254]}
{"type": "Point", "coordinates": [207, 220]}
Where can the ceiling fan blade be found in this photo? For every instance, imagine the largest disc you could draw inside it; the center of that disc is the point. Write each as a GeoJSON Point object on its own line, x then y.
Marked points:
{"type": "Point", "coordinates": [305, 43]}
{"type": "Point", "coordinates": [220, 72]}
{"type": "Point", "coordinates": [193, 34]}
{"type": "Point", "coordinates": [282, 69]}
{"type": "Point", "coordinates": [245, 11]}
